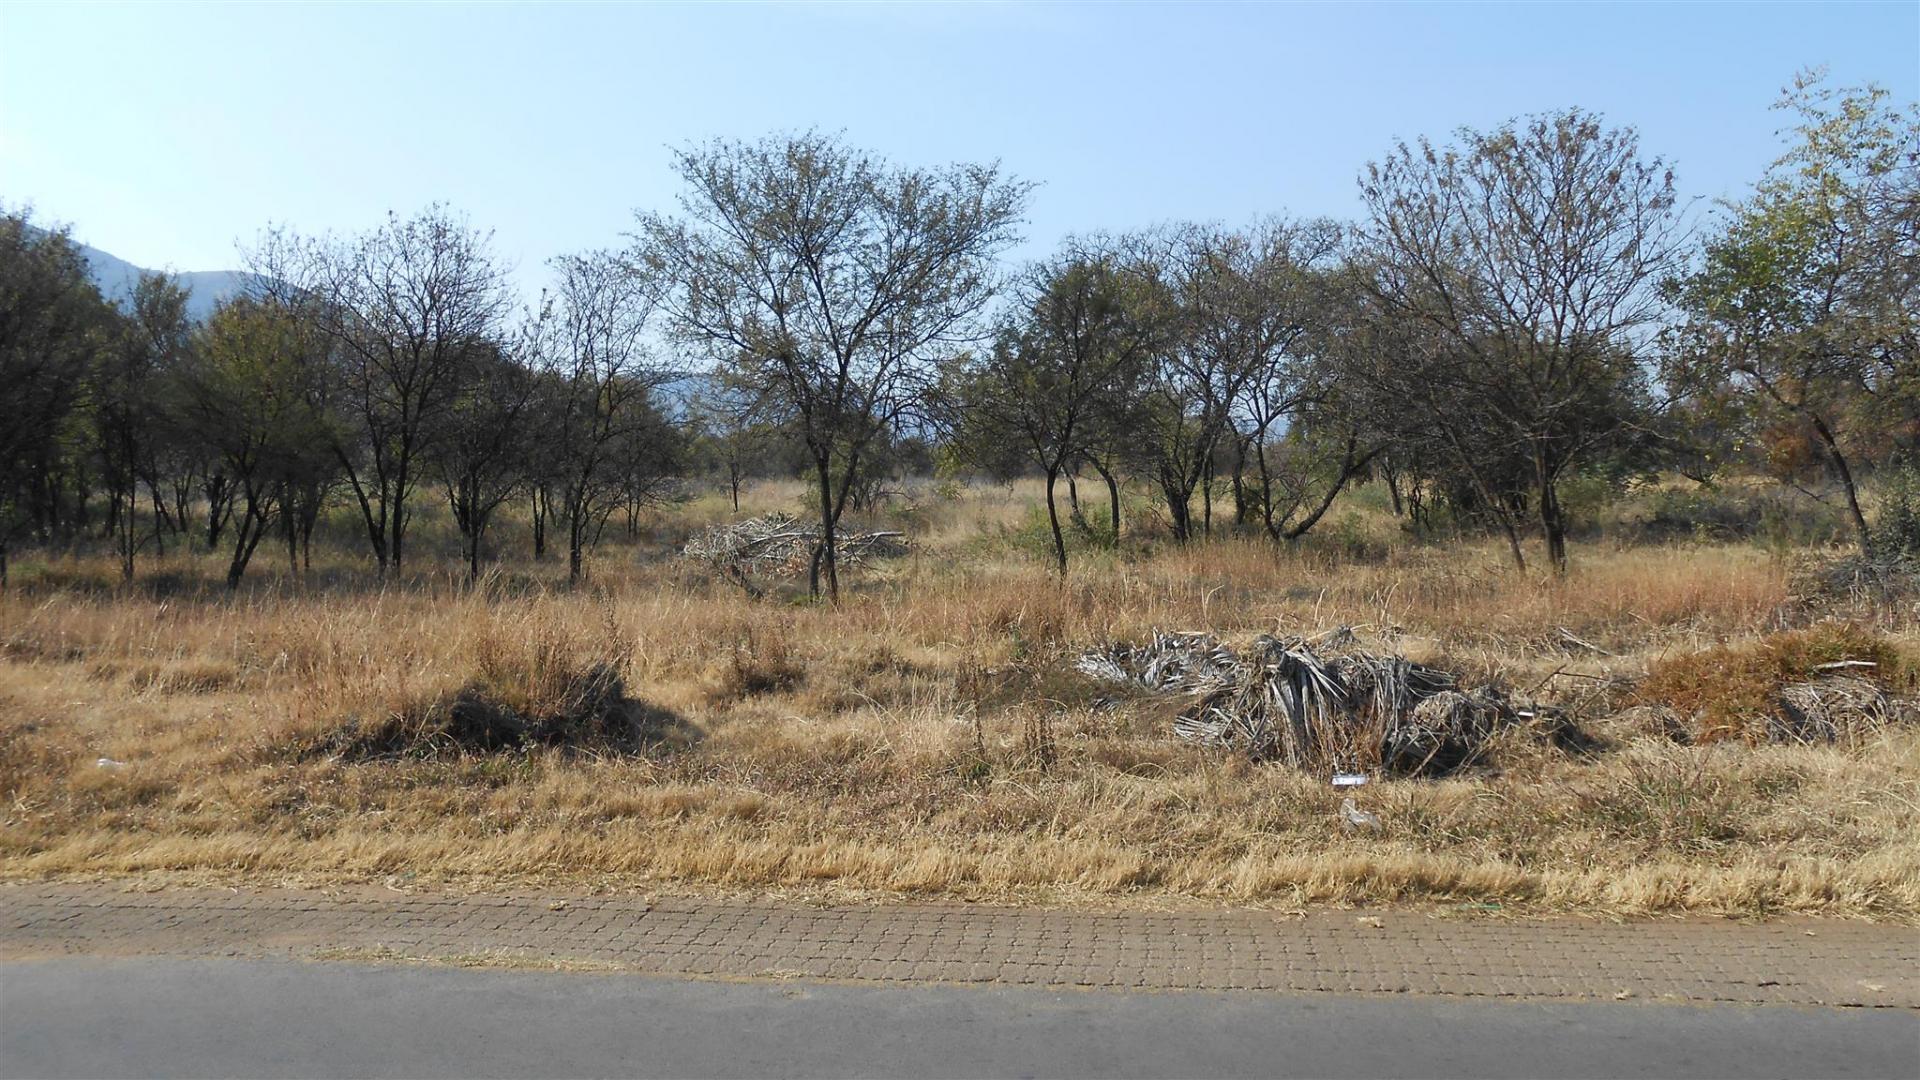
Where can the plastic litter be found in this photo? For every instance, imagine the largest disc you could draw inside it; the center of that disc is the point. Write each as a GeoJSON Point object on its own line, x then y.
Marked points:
{"type": "Point", "coordinates": [1357, 818]}
{"type": "Point", "coordinates": [110, 764]}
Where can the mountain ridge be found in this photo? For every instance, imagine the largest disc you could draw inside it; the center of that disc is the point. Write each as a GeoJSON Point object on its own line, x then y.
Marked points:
{"type": "Point", "coordinates": [206, 289]}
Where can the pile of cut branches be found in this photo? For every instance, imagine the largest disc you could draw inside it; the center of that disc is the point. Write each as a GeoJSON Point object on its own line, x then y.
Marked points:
{"type": "Point", "coordinates": [1312, 703]}
{"type": "Point", "coordinates": [778, 545]}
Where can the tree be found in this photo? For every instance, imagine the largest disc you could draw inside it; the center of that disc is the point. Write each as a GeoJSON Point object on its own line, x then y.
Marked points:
{"type": "Point", "coordinates": [127, 397]}
{"type": "Point", "coordinates": [1808, 299]}
{"type": "Point", "coordinates": [1524, 265]}
{"type": "Point", "coordinates": [597, 419]}
{"type": "Point", "coordinates": [249, 391]}
{"type": "Point", "coordinates": [483, 456]}
{"type": "Point", "coordinates": [1077, 333]}
{"type": "Point", "coordinates": [53, 325]}
{"type": "Point", "coordinates": [729, 439]}
{"type": "Point", "coordinates": [827, 284]}
{"type": "Point", "coordinates": [406, 308]}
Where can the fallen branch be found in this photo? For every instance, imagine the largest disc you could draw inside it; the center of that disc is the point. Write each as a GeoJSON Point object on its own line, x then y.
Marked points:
{"type": "Point", "coordinates": [777, 545]}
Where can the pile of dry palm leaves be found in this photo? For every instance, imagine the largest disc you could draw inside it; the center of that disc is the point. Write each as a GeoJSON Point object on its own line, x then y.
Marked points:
{"type": "Point", "coordinates": [1834, 709]}
{"type": "Point", "coordinates": [778, 545]}
{"type": "Point", "coordinates": [1316, 704]}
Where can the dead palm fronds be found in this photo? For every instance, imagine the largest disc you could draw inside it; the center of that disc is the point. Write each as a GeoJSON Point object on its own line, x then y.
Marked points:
{"type": "Point", "coordinates": [1293, 700]}
{"type": "Point", "coordinates": [1838, 709]}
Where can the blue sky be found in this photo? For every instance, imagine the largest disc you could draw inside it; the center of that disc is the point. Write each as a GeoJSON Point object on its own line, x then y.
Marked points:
{"type": "Point", "coordinates": [165, 133]}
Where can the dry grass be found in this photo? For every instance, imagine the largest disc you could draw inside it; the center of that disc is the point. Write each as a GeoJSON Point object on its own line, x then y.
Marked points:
{"type": "Point", "coordinates": [925, 738]}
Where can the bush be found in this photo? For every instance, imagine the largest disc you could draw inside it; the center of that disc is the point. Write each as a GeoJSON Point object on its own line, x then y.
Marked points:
{"type": "Point", "coordinates": [534, 686]}
{"type": "Point", "coordinates": [1735, 691]}
{"type": "Point", "coordinates": [1895, 534]}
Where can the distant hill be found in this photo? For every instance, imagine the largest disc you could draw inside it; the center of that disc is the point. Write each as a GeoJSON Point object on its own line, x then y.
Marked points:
{"type": "Point", "coordinates": [115, 278]}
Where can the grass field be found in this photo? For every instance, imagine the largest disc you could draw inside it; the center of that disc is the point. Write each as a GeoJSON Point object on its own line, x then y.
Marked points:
{"type": "Point", "coordinates": [925, 738]}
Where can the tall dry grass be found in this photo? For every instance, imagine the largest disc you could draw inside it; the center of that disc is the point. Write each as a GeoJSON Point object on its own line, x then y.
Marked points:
{"type": "Point", "coordinates": [922, 738]}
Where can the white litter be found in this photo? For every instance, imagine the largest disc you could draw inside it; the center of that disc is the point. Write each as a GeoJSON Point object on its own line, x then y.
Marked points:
{"type": "Point", "coordinates": [1357, 818]}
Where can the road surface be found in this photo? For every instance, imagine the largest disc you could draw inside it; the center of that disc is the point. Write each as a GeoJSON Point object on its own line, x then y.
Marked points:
{"type": "Point", "coordinates": [170, 1016]}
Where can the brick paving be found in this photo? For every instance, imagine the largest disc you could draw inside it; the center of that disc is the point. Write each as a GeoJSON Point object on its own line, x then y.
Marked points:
{"type": "Point", "coordinates": [1785, 961]}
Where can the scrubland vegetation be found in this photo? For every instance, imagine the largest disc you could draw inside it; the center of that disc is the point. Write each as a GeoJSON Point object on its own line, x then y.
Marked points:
{"type": "Point", "coordinates": [1647, 490]}
{"type": "Point", "coordinates": [926, 736]}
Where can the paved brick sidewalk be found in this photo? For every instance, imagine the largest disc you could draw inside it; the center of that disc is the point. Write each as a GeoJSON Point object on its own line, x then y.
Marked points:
{"type": "Point", "coordinates": [1784, 961]}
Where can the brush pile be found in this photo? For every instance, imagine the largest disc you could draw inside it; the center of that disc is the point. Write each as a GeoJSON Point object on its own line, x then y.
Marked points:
{"type": "Point", "coordinates": [1837, 709]}
{"type": "Point", "coordinates": [1315, 704]}
{"type": "Point", "coordinates": [778, 545]}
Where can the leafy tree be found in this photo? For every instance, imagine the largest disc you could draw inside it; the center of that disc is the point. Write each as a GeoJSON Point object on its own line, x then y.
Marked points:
{"type": "Point", "coordinates": [53, 327]}
{"type": "Point", "coordinates": [1808, 299]}
{"type": "Point", "coordinates": [249, 389]}
{"type": "Point", "coordinates": [1078, 334]}
{"type": "Point", "coordinates": [483, 456]}
{"type": "Point", "coordinates": [127, 399]}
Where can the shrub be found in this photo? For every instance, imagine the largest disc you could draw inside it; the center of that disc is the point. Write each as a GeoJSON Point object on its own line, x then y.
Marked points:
{"type": "Point", "coordinates": [542, 685]}
{"type": "Point", "coordinates": [1895, 534]}
{"type": "Point", "coordinates": [1734, 691]}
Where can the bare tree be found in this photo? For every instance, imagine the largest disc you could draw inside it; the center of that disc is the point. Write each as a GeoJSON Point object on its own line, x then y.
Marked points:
{"type": "Point", "coordinates": [406, 307]}
{"type": "Point", "coordinates": [483, 457]}
{"type": "Point", "coordinates": [827, 283]}
{"type": "Point", "coordinates": [1525, 263]}
{"type": "Point", "coordinates": [598, 375]}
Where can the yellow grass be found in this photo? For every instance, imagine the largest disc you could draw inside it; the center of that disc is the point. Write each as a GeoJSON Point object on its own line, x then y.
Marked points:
{"type": "Point", "coordinates": [892, 746]}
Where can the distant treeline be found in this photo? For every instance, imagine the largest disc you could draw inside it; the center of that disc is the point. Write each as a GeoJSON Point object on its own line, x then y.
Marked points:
{"type": "Point", "coordinates": [1514, 309]}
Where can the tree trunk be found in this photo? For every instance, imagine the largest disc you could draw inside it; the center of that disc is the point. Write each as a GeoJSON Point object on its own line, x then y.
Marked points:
{"type": "Point", "coordinates": [1179, 507]}
{"type": "Point", "coordinates": [826, 558]}
{"type": "Point", "coordinates": [1053, 520]}
{"type": "Point", "coordinates": [1242, 512]}
{"type": "Point", "coordinates": [1206, 496]}
{"type": "Point", "coordinates": [126, 532]}
{"type": "Point", "coordinates": [1113, 497]}
{"type": "Point", "coordinates": [290, 526]}
{"type": "Point", "coordinates": [1553, 525]}
{"type": "Point", "coordinates": [1844, 472]}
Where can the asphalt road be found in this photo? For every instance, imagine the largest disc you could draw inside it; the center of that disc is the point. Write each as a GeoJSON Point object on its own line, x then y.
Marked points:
{"type": "Point", "coordinates": [167, 1017]}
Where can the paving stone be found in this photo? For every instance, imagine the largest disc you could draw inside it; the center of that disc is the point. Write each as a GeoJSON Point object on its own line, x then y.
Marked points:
{"type": "Point", "coordinates": [1840, 963]}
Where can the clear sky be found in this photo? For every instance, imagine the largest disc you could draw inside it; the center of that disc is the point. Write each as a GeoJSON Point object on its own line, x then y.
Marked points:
{"type": "Point", "coordinates": [164, 134]}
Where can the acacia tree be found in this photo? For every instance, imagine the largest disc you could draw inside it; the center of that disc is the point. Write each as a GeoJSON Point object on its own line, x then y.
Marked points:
{"type": "Point", "coordinates": [1808, 300]}
{"type": "Point", "coordinates": [1262, 310]}
{"type": "Point", "coordinates": [406, 307]}
{"type": "Point", "coordinates": [483, 456]}
{"type": "Point", "coordinates": [248, 391]}
{"type": "Point", "coordinates": [128, 390]}
{"type": "Point", "coordinates": [1525, 263]}
{"type": "Point", "coordinates": [827, 284]}
{"type": "Point", "coordinates": [1232, 365]}
{"type": "Point", "coordinates": [589, 342]}
{"type": "Point", "coordinates": [53, 326]}
{"type": "Point", "coordinates": [1078, 334]}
